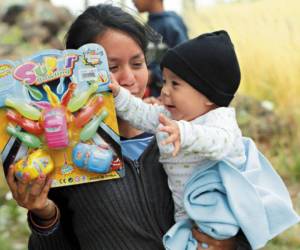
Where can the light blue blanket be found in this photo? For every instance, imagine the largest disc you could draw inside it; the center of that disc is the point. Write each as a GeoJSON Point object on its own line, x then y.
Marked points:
{"type": "Point", "coordinates": [221, 199]}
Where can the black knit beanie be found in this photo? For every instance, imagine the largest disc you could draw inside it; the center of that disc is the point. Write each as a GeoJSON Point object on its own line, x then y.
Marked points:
{"type": "Point", "coordinates": [209, 64]}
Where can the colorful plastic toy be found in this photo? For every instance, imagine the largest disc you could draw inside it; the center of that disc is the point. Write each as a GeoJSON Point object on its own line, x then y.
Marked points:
{"type": "Point", "coordinates": [34, 92]}
{"type": "Point", "coordinates": [61, 86]}
{"type": "Point", "coordinates": [28, 125]}
{"type": "Point", "coordinates": [8, 86]}
{"type": "Point", "coordinates": [52, 101]}
{"type": "Point", "coordinates": [52, 98]}
{"type": "Point", "coordinates": [29, 140]}
{"type": "Point", "coordinates": [80, 100]}
{"type": "Point", "coordinates": [56, 131]}
{"type": "Point", "coordinates": [51, 64]}
{"type": "Point", "coordinates": [93, 158]}
{"type": "Point", "coordinates": [68, 95]}
{"type": "Point", "coordinates": [43, 105]}
{"type": "Point", "coordinates": [23, 108]}
{"type": "Point", "coordinates": [86, 113]}
{"type": "Point", "coordinates": [90, 129]}
{"type": "Point", "coordinates": [35, 164]}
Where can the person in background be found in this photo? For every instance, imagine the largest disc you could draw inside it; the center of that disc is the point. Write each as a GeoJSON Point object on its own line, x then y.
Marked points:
{"type": "Point", "coordinates": [173, 31]}
{"type": "Point", "coordinates": [131, 213]}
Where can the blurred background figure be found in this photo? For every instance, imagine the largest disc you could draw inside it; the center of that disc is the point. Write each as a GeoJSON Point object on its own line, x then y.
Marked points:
{"type": "Point", "coordinates": [32, 24]}
{"type": "Point", "coordinates": [173, 31]}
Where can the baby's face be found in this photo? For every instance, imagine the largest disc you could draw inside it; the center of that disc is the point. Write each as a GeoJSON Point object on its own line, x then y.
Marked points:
{"type": "Point", "coordinates": [181, 99]}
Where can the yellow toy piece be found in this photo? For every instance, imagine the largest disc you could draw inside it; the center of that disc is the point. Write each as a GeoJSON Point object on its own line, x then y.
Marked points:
{"type": "Point", "coordinates": [53, 98]}
{"type": "Point", "coordinates": [35, 164]}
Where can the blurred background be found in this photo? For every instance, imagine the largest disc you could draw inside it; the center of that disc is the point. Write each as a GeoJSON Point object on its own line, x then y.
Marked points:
{"type": "Point", "coordinates": [267, 40]}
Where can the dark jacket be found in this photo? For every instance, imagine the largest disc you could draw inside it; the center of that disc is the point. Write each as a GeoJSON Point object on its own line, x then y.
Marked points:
{"type": "Point", "coordinates": [131, 213]}
{"type": "Point", "coordinates": [173, 31]}
{"type": "Point", "coordinates": [170, 26]}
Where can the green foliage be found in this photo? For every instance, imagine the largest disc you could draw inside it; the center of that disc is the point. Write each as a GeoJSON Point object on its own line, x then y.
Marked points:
{"type": "Point", "coordinates": [12, 37]}
{"type": "Point", "coordinates": [289, 240]}
{"type": "Point", "coordinates": [13, 228]}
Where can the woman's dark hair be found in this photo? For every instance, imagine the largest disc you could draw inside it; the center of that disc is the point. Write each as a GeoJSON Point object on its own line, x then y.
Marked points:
{"type": "Point", "coordinates": [96, 20]}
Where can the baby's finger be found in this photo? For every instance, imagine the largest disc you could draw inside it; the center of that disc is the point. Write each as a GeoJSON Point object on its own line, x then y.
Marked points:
{"type": "Point", "coordinates": [164, 120]}
{"type": "Point", "coordinates": [114, 85]}
{"type": "Point", "coordinates": [168, 129]}
{"type": "Point", "coordinates": [152, 100]}
{"type": "Point", "coordinates": [171, 139]}
{"type": "Point", "coordinates": [114, 89]}
{"type": "Point", "coordinates": [176, 148]}
{"type": "Point", "coordinates": [171, 130]}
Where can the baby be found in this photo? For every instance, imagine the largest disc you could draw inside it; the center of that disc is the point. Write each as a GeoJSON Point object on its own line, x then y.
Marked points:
{"type": "Point", "coordinates": [200, 78]}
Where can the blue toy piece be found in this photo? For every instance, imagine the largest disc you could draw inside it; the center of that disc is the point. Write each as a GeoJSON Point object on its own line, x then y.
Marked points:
{"type": "Point", "coordinates": [93, 158]}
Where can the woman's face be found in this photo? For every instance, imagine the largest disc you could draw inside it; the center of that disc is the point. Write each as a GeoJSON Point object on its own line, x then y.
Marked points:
{"type": "Point", "coordinates": [126, 60]}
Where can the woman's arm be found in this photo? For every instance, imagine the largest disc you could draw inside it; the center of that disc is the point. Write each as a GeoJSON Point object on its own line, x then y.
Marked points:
{"type": "Point", "coordinates": [43, 213]}
{"type": "Point", "coordinates": [239, 242]}
{"type": "Point", "coordinates": [206, 242]}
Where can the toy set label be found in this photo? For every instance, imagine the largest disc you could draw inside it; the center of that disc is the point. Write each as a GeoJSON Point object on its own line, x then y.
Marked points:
{"type": "Point", "coordinates": [57, 117]}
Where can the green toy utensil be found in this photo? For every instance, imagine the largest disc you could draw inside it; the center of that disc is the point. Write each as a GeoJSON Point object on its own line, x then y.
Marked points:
{"type": "Point", "coordinates": [30, 140]}
{"type": "Point", "coordinates": [23, 108]}
{"type": "Point", "coordinates": [34, 92]}
{"type": "Point", "coordinates": [79, 100]}
{"type": "Point", "coordinates": [90, 129]}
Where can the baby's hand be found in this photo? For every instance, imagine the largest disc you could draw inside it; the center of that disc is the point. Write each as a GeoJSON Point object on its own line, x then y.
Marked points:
{"type": "Point", "coordinates": [114, 86]}
{"type": "Point", "coordinates": [152, 100]}
{"type": "Point", "coordinates": [172, 129]}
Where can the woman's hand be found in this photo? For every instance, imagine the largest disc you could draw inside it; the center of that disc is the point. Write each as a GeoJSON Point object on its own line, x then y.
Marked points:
{"type": "Point", "coordinates": [32, 195]}
{"type": "Point", "coordinates": [208, 243]}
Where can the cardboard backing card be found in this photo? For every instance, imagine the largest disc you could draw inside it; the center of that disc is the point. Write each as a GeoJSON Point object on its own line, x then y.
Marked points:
{"type": "Point", "coordinates": [56, 109]}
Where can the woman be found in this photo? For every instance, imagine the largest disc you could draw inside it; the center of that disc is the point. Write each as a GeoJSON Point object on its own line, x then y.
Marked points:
{"type": "Point", "coordinates": [133, 212]}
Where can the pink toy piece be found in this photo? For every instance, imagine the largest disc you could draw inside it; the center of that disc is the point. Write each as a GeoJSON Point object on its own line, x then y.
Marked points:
{"type": "Point", "coordinates": [56, 131]}
{"type": "Point", "coordinates": [42, 105]}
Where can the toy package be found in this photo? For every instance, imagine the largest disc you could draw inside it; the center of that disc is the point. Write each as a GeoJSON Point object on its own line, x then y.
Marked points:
{"type": "Point", "coordinates": [57, 117]}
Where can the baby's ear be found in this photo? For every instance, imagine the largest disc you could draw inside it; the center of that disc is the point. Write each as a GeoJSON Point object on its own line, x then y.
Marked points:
{"type": "Point", "coordinates": [209, 103]}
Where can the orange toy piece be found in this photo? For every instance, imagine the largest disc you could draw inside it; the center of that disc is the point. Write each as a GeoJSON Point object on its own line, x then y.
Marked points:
{"type": "Point", "coordinates": [68, 95]}
{"type": "Point", "coordinates": [87, 113]}
{"type": "Point", "coordinates": [33, 127]}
